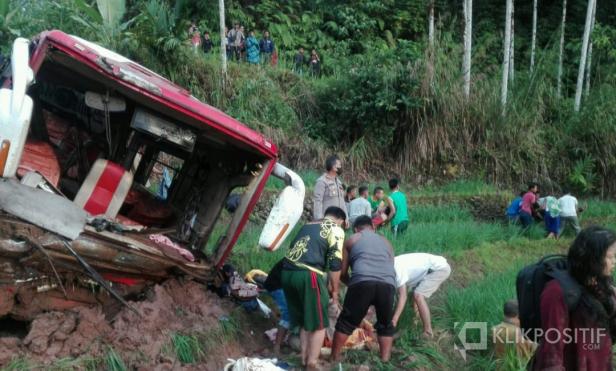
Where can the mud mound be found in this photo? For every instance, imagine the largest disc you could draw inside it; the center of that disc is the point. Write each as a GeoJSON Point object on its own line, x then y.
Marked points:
{"type": "Point", "coordinates": [143, 341]}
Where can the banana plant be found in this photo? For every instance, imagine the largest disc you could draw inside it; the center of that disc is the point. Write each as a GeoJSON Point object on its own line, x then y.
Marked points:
{"type": "Point", "coordinates": [104, 20]}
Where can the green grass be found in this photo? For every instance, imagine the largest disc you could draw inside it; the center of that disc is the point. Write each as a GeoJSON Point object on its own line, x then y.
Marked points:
{"type": "Point", "coordinates": [113, 361]}
{"type": "Point", "coordinates": [18, 364]}
{"type": "Point", "coordinates": [597, 208]}
{"type": "Point", "coordinates": [463, 187]}
{"type": "Point", "coordinates": [439, 213]}
{"type": "Point", "coordinates": [188, 348]}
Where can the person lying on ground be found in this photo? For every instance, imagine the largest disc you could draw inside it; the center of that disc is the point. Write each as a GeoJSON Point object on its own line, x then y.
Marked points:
{"type": "Point", "coordinates": [360, 206]}
{"type": "Point", "coordinates": [423, 274]}
{"type": "Point", "coordinates": [581, 338]}
{"type": "Point", "coordinates": [568, 212]}
{"type": "Point", "coordinates": [317, 248]}
{"type": "Point", "coordinates": [272, 283]}
{"type": "Point", "coordinates": [400, 214]}
{"type": "Point", "coordinates": [513, 210]}
{"type": "Point", "coordinates": [508, 337]}
{"type": "Point", "coordinates": [372, 282]}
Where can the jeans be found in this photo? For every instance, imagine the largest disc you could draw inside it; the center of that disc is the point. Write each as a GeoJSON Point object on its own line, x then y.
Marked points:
{"type": "Point", "coordinates": [526, 219]}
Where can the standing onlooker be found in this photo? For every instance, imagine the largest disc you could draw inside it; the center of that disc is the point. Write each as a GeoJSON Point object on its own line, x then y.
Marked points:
{"type": "Point", "coordinates": [568, 212]}
{"type": "Point", "coordinates": [195, 36]}
{"type": "Point", "coordinates": [236, 40]}
{"type": "Point", "coordinates": [328, 190]}
{"type": "Point", "coordinates": [528, 203]}
{"type": "Point", "coordinates": [581, 336]}
{"type": "Point", "coordinates": [423, 274]}
{"type": "Point", "coordinates": [207, 43]}
{"type": "Point", "coordinates": [299, 61]}
{"type": "Point", "coordinates": [360, 206]}
{"type": "Point", "coordinates": [400, 218]}
{"type": "Point", "coordinates": [513, 210]}
{"type": "Point", "coordinates": [350, 195]}
{"type": "Point", "coordinates": [242, 45]}
{"type": "Point", "coordinates": [316, 248]}
{"type": "Point", "coordinates": [266, 46]}
{"type": "Point", "coordinates": [373, 282]}
{"type": "Point", "coordinates": [315, 64]}
{"type": "Point", "coordinates": [509, 339]}
{"type": "Point", "coordinates": [227, 44]}
{"type": "Point", "coordinates": [252, 49]}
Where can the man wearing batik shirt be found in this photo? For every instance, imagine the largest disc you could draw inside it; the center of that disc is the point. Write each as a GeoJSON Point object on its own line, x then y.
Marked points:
{"type": "Point", "coordinates": [317, 249]}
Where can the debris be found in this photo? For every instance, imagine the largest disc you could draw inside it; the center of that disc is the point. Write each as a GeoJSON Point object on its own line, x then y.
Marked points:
{"type": "Point", "coordinates": [253, 364]}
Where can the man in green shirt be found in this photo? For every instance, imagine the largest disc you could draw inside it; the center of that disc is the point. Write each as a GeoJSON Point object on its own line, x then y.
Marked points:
{"type": "Point", "coordinates": [400, 217]}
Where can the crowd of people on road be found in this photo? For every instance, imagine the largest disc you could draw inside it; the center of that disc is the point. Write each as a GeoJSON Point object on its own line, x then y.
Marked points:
{"type": "Point", "coordinates": [556, 213]}
{"type": "Point", "coordinates": [241, 46]}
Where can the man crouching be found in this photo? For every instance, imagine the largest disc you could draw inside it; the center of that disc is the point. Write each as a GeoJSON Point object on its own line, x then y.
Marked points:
{"type": "Point", "coordinates": [372, 282]}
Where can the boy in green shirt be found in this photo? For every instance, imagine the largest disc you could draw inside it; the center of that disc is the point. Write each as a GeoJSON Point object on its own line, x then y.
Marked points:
{"type": "Point", "coordinates": [400, 218]}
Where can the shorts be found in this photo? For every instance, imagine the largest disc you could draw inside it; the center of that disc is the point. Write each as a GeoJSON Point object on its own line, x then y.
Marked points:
{"type": "Point", "coordinates": [307, 299]}
{"type": "Point", "coordinates": [281, 302]}
{"type": "Point", "coordinates": [432, 281]}
{"type": "Point", "coordinates": [359, 298]}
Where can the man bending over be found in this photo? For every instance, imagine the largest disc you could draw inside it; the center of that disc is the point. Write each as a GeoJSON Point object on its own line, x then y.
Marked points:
{"type": "Point", "coordinates": [372, 282]}
{"type": "Point", "coordinates": [423, 274]}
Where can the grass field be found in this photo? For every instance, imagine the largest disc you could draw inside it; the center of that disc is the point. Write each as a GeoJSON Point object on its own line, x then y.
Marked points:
{"type": "Point", "coordinates": [485, 258]}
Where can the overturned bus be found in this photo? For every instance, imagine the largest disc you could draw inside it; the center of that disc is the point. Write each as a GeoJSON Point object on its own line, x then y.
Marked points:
{"type": "Point", "coordinates": [113, 178]}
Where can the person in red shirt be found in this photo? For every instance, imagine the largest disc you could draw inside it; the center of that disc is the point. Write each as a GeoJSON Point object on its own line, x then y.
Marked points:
{"type": "Point", "coordinates": [526, 207]}
{"type": "Point", "coordinates": [581, 339]}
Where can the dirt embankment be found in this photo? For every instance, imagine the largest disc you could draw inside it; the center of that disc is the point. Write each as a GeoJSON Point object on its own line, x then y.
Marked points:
{"type": "Point", "coordinates": [144, 342]}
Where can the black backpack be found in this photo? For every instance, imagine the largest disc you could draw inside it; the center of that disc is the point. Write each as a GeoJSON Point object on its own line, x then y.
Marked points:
{"type": "Point", "coordinates": [530, 283]}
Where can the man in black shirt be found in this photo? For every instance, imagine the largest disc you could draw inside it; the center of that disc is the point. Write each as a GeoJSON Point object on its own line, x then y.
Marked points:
{"type": "Point", "coordinates": [317, 248]}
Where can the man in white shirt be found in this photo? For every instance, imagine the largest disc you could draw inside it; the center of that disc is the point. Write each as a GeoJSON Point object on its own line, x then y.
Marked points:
{"type": "Point", "coordinates": [360, 205]}
{"type": "Point", "coordinates": [423, 274]}
{"type": "Point", "coordinates": [568, 212]}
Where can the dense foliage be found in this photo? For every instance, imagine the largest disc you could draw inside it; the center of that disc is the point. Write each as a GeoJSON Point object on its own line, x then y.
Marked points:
{"type": "Point", "coordinates": [385, 100]}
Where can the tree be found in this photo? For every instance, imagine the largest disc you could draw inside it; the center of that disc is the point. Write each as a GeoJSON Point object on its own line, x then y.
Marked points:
{"type": "Point", "coordinates": [468, 33]}
{"type": "Point", "coordinates": [512, 52]}
{"type": "Point", "coordinates": [223, 40]}
{"type": "Point", "coordinates": [533, 42]}
{"type": "Point", "coordinates": [589, 62]}
{"type": "Point", "coordinates": [506, 52]}
{"type": "Point", "coordinates": [431, 24]}
{"type": "Point", "coordinates": [561, 50]}
{"type": "Point", "coordinates": [584, 52]}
